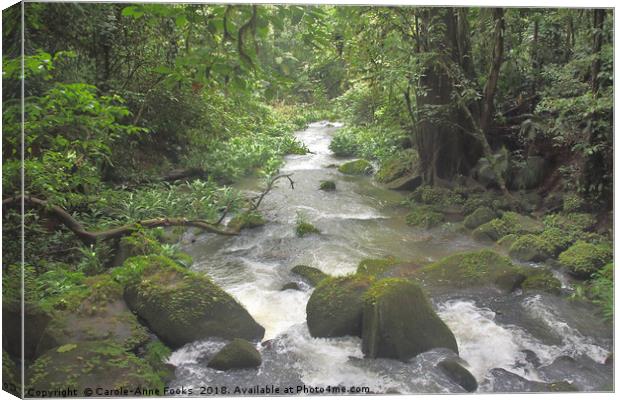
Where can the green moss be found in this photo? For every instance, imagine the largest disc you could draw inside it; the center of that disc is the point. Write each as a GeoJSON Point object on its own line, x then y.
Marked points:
{"type": "Point", "coordinates": [312, 275]}
{"type": "Point", "coordinates": [376, 266]}
{"type": "Point", "coordinates": [583, 259]}
{"type": "Point", "coordinates": [424, 216]}
{"type": "Point", "coordinates": [572, 225]}
{"type": "Point", "coordinates": [237, 354]}
{"type": "Point", "coordinates": [303, 227]}
{"type": "Point", "coordinates": [572, 203]}
{"type": "Point", "coordinates": [530, 248]}
{"type": "Point", "coordinates": [139, 244]}
{"type": "Point", "coordinates": [506, 241]}
{"type": "Point", "coordinates": [357, 167]}
{"type": "Point", "coordinates": [480, 216]}
{"type": "Point", "coordinates": [509, 222]}
{"type": "Point", "coordinates": [393, 169]}
{"type": "Point", "coordinates": [541, 279]}
{"type": "Point", "coordinates": [91, 364]}
{"type": "Point", "coordinates": [327, 185]}
{"type": "Point", "coordinates": [602, 290]}
{"type": "Point", "coordinates": [437, 196]}
{"type": "Point", "coordinates": [476, 268]}
{"type": "Point", "coordinates": [10, 383]}
{"type": "Point", "coordinates": [335, 307]}
{"type": "Point", "coordinates": [246, 220]}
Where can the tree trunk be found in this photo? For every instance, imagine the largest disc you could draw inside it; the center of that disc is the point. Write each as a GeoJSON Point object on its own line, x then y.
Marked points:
{"type": "Point", "coordinates": [599, 18]}
{"type": "Point", "coordinates": [490, 88]}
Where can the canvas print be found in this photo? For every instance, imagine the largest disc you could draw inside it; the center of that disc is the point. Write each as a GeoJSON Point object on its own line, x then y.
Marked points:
{"type": "Point", "coordinates": [279, 199]}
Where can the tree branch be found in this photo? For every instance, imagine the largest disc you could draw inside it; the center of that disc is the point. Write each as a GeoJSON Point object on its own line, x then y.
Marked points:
{"type": "Point", "coordinates": [269, 187]}
{"type": "Point", "coordinates": [89, 237]}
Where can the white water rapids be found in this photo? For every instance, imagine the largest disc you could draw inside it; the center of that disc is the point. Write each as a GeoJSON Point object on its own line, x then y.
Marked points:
{"type": "Point", "coordinates": [362, 220]}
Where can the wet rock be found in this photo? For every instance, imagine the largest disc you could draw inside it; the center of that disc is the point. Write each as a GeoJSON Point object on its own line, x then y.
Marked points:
{"type": "Point", "coordinates": [406, 182]}
{"type": "Point", "coordinates": [246, 220]}
{"type": "Point", "coordinates": [291, 286]}
{"type": "Point", "coordinates": [506, 382]}
{"type": "Point", "coordinates": [529, 248]}
{"type": "Point", "coordinates": [532, 358]}
{"type": "Point", "coordinates": [399, 322]}
{"type": "Point", "coordinates": [327, 186]}
{"type": "Point", "coordinates": [237, 354]}
{"type": "Point", "coordinates": [609, 360]}
{"type": "Point", "coordinates": [376, 266]}
{"type": "Point", "coordinates": [541, 279]}
{"type": "Point", "coordinates": [181, 306]}
{"type": "Point", "coordinates": [509, 222]}
{"type": "Point", "coordinates": [480, 216]}
{"type": "Point", "coordinates": [472, 269]}
{"type": "Point", "coordinates": [309, 274]}
{"type": "Point", "coordinates": [357, 167]}
{"type": "Point", "coordinates": [394, 169]}
{"type": "Point", "coordinates": [585, 373]}
{"type": "Point", "coordinates": [583, 259]}
{"type": "Point", "coordinates": [335, 307]}
{"type": "Point", "coordinates": [88, 365]}
{"type": "Point", "coordinates": [459, 374]}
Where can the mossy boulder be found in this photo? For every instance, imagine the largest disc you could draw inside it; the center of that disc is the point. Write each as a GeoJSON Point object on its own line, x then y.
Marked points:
{"type": "Point", "coordinates": [424, 216]}
{"type": "Point", "coordinates": [304, 228]}
{"type": "Point", "coordinates": [327, 186]}
{"type": "Point", "coordinates": [182, 306]}
{"type": "Point", "coordinates": [335, 307]}
{"type": "Point", "coordinates": [407, 182]}
{"type": "Point", "coordinates": [246, 220]}
{"type": "Point", "coordinates": [505, 381]}
{"type": "Point", "coordinates": [91, 365]}
{"type": "Point", "coordinates": [473, 269]}
{"type": "Point", "coordinates": [506, 241]}
{"type": "Point", "coordinates": [310, 274]}
{"type": "Point", "coordinates": [530, 248]}
{"type": "Point", "coordinates": [438, 196]}
{"type": "Point", "coordinates": [541, 279]}
{"type": "Point", "coordinates": [357, 167]}
{"type": "Point", "coordinates": [376, 266]}
{"type": "Point", "coordinates": [509, 222]}
{"type": "Point", "coordinates": [100, 314]}
{"type": "Point", "coordinates": [136, 244]}
{"type": "Point", "coordinates": [480, 216]}
{"type": "Point", "coordinates": [583, 259]}
{"type": "Point", "coordinates": [458, 374]}
{"type": "Point", "coordinates": [574, 226]}
{"type": "Point", "coordinates": [290, 286]}
{"type": "Point", "coordinates": [393, 169]}
{"type": "Point", "coordinates": [399, 321]}
{"type": "Point", "coordinates": [237, 354]}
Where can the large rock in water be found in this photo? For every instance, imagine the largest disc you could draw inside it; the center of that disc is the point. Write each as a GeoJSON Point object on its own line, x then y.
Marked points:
{"type": "Point", "coordinates": [237, 354]}
{"type": "Point", "coordinates": [181, 306]}
{"type": "Point", "coordinates": [507, 382]}
{"type": "Point", "coordinates": [310, 274]}
{"type": "Point", "coordinates": [357, 167]}
{"type": "Point", "coordinates": [459, 374]}
{"type": "Point", "coordinates": [399, 322]}
{"type": "Point", "coordinates": [335, 307]}
{"type": "Point", "coordinates": [407, 182]}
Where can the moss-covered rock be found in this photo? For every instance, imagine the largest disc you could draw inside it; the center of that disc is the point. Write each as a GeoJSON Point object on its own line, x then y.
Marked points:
{"type": "Point", "coordinates": [480, 216]}
{"type": "Point", "coordinates": [437, 196]}
{"type": "Point", "coordinates": [541, 279]}
{"type": "Point", "coordinates": [509, 222]}
{"type": "Point", "coordinates": [156, 354]}
{"type": "Point", "coordinates": [572, 225]}
{"type": "Point", "coordinates": [136, 244]}
{"type": "Point", "coordinates": [182, 306]}
{"type": "Point", "coordinates": [290, 286]}
{"type": "Point", "coordinates": [459, 374]}
{"type": "Point", "coordinates": [505, 381]}
{"type": "Point", "coordinates": [471, 269]}
{"type": "Point", "coordinates": [237, 354]}
{"type": "Point", "coordinates": [304, 228]}
{"type": "Point", "coordinates": [506, 241]}
{"type": "Point", "coordinates": [246, 220]}
{"type": "Point", "coordinates": [572, 203]}
{"type": "Point", "coordinates": [399, 321]}
{"type": "Point", "coordinates": [310, 274]}
{"type": "Point", "coordinates": [90, 365]}
{"type": "Point", "coordinates": [583, 259]}
{"type": "Point", "coordinates": [335, 307]}
{"type": "Point", "coordinates": [357, 167]}
{"type": "Point", "coordinates": [100, 314]}
{"type": "Point", "coordinates": [393, 169]}
{"type": "Point", "coordinates": [424, 216]}
{"type": "Point", "coordinates": [327, 186]}
{"type": "Point", "coordinates": [530, 248]}
{"type": "Point", "coordinates": [376, 266]}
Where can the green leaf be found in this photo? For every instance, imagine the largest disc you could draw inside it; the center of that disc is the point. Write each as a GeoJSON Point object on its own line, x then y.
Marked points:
{"type": "Point", "coordinates": [67, 347]}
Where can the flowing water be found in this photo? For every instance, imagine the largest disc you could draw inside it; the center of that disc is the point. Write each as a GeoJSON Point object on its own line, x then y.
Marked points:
{"type": "Point", "coordinates": [528, 335]}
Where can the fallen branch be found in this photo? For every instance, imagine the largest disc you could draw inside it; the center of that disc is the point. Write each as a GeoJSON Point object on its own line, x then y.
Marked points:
{"type": "Point", "coordinates": [260, 197]}
{"type": "Point", "coordinates": [89, 237]}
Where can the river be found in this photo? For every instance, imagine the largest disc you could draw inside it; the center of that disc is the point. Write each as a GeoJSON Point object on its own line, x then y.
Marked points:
{"type": "Point", "coordinates": [530, 335]}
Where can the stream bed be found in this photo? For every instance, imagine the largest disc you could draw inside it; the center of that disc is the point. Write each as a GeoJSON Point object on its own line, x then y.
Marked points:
{"type": "Point", "coordinates": [539, 337]}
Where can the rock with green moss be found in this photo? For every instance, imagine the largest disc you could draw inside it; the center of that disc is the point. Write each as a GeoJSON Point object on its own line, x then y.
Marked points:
{"type": "Point", "coordinates": [90, 365]}
{"type": "Point", "coordinates": [156, 354]}
{"type": "Point", "coordinates": [335, 307]}
{"type": "Point", "coordinates": [541, 279]}
{"type": "Point", "coordinates": [530, 248]}
{"type": "Point", "coordinates": [458, 374]}
{"type": "Point", "coordinates": [399, 321]}
{"type": "Point", "coordinates": [327, 186]}
{"type": "Point", "coordinates": [246, 220]}
{"type": "Point", "coordinates": [438, 196]}
{"type": "Point", "coordinates": [480, 216]}
{"type": "Point", "coordinates": [136, 244]}
{"type": "Point", "coordinates": [572, 203]}
{"type": "Point", "coordinates": [304, 228]}
{"type": "Point", "coordinates": [376, 266]}
{"type": "Point", "coordinates": [97, 312]}
{"type": "Point", "coordinates": [473, 269]}
{"type": "Point", "coordinates": [237, 354]}
{"type": "Point", "coordinates": [424, 216]}
{"type": "Point", "coordinates": [509, 222]}
{"type": "Point", "coordinates": [583, 259]}
{"type": "Point", "coordinates": [181, 306]}
{"type": "Point", "coordinates": [506, 241]}
{"type": "Point", "coordinates": [572, 225]}
{"type": "Point", "coordinates": [357, 167]}
{"type": "Point", "coordinates": [394, 169]}
{"type": "Point", "coordinates": [310, 274]}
